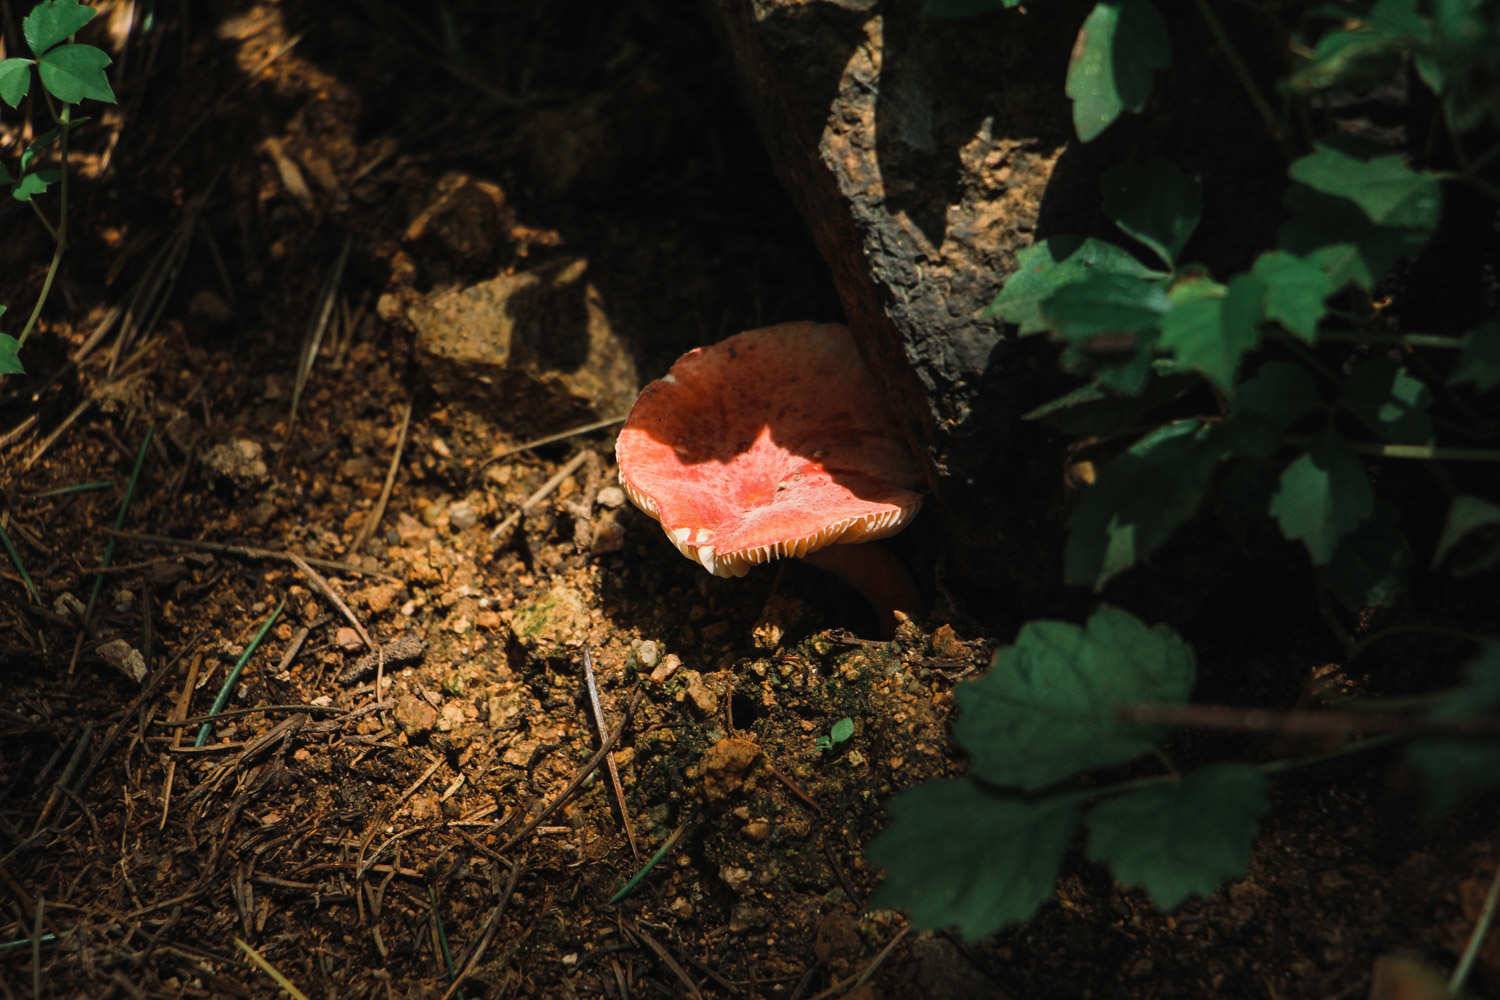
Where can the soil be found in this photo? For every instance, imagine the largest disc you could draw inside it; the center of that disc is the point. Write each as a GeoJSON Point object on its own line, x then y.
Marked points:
{"type": "Point", "coordinates": [373, 825]}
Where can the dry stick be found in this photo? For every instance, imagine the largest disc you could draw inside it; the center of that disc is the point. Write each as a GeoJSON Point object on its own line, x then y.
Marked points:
{"type": "Point", "coordinates": [326, 589]}
{"type": "Point", "coordinates": [57, 432]}
{"type": "Point", "coordinates": [250, 552]}
{"type": "Point", "coordinates": [614, 772]}
{"type": "Point", "coordinates": [179, 711]}
{"type": "Point", "coordinates": [487, 935]}
{"type": "Point", "coordinates": [1252, 720]}
{"type": "Point", "coordinates": [64, 778]}
{"type": "Point", "coordinates": [17, 432]}
{"type": "Point", "coordinates": [378, 511]}
{"type": "Point", "coordinates": [542, 493]}
{"type": "Point", "coordinates": [270, 970]}
{"type": "Point", "coordinates": [854, 982]}
{"type": "Point", "coordinates": [567, 793]}
{"type": "Point", "coordinates": [597, 425]}
{"type": "Point", "coordinates": [660, 950]}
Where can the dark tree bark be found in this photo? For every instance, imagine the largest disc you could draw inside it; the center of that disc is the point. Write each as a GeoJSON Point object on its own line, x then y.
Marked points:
{"type": "Point", "coordinates": [922, 154]}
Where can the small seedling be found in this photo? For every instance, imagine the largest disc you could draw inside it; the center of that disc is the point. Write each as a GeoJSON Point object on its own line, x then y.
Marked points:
{"type": "Point", "coordinates": [841, 731]}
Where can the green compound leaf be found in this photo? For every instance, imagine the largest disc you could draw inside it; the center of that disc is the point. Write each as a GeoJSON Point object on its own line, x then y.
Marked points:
{"type": "Point", "coordinates": [34, 183]}
{"type": "Point", "coordinates": [1296, 288]}
{"type": "Point", "coordinates": [1390, 400]}
{"type": "Point", "coordinates": [1101, 302]}
{"type": "Point", "coordinates": [52, 21]}
{"type": "Point", "coordinates": [15, 80]}
{"type": "Point", "coordinates": [10, 355]}
{"type": "Point", "coordinates": [1466, 515]}
{"type": "Point", "coordinates": [1156, 203]}
{"type": "Point", "coordinates": [1211, 334]}
{"type": "Point", "coordinates": [1183, 839]}
{"type": "Point", "coordinates": [1046, 709]}
{"type": "Point", "coordinates": [1119, 49]}
{"type": "Point", "coordinates": [958, 855]}
{"type": "Point", "coordinates": [1456, 768]}
{"type": "Point", "coordinates": [1388, 191]}
{"type": "Point", "coordinates": [72, 73]}
{"type": "Point", "coordinates": [1370, 566]}
{"type": "Point", "coordinates": [1267, 404]}
{"type": "Point", "coordinates": [1322, 496]}
{"type": "Point", "coordinates": [1141, 498]}
{"type": "Point", "coordinates": [1049, 265]}
{"type": "Point", "coordinates": [1479, 365]}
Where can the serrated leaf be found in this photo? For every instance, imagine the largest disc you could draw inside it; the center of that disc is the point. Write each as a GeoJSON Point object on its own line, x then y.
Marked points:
{"type": "Point", "coordinates": [1456, 768]}
{"type": "Point", "coordinates": [1045, 267]}
{"type": "Point", "coordinates": [1182, 839]}
{"type": "Point", "coordinates": [1118, 50]}
{"type": "Point", "coordinates": [1388, 191]}
{"type": "Point", "coordinates": [1045, 711]}
{"type": "Point", "coordinates": [72, 73]}
{"type": "Point", "coordinates": [1479, 364]}
{"type": "Point", "coordinates": [15, 80]}
{"type": "Point", "coordinates": [1323, 495]}
{"type": "Point", "coordinates": [1296, 288]}
{"type": "Point", "coordinates": [1156, 203]}
{"type": "Point", "coordinates": [1141, 498]}
{"type": "Point", "coordinates": [1336, 235]}
{"type": "Point", "coordinates": [1211, 334]}
{"type": "Point", "coordinates": [1390, 400]}
{"type": "Point", "coordinates": [34, 183]}
{"type": "Point", "coordinates": [1267, 404]}
{"type": "Point", "coordinates": [1370, 565]}
{"type": "Point", "coordinates": [958, 855]}
{"type": "Point", "coordinates": [53, 21]}
{"type": "Point", "coordinates": [10, 355]}
{"type": "Point", "coordinates": [1102, 302]}
{"type": "Point", "coordinates": [1466, 515]}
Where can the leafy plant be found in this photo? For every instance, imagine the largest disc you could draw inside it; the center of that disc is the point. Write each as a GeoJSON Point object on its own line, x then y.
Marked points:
{"type": "Point", "coordinates": [70, 73]}
{"type": "Point", "coordinates": [1277, 389]}
{"type": "Point", "coordinates": [838, 733]}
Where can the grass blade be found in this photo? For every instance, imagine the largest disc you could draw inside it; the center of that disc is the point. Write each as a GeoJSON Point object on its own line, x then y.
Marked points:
{"type": "Point", "coordinates": [222, 698]}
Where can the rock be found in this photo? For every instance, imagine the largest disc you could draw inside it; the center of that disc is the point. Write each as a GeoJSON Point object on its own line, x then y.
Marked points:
{"type": "Point", "coordinates": [757, 830]}
{"type": "Point", "coordinates": [413, 714]}
{"type": "Point", "coordinates": [68, 606]}
{"type": "Point", "coordinates": [647, 653]}
{"type": "Point", "coordinates": [559, 617]}
{"type": "Point", "coordinates": [461, 516]}
{"type": "Point", "coordinates": [735, 877]}
{"type": "Point", "coordinates": [666, 668]}
{"type": "Point", "coordinates": [945, 644]}
{"type": "Point", "coordinates": [704, 698]}
{"type": "Point", "coordinates": [378, 598]}
{"type": "Point", "coordinates": [125, 658]}
{"type": "Point", "coordinates": [240, 461]}
{"type": "Point", "coordinates": [348, 640]}
{"type": "Point", "coordinates": [611, 498]}
{"type": "Point", "coordinates": [537, 343]}
{"type": "Point", "coordinates": [451, 717]}
{"type": "Point", "coordinates": [723, 767]}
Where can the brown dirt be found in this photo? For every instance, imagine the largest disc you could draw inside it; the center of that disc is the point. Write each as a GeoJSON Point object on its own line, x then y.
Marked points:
{"type": "Point", "coordinates": [367, 847]}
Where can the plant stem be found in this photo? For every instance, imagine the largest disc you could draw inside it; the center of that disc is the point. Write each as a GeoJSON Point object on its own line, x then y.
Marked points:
{"type": "Point", "coordinates": [61, 233]}
{"type": "Point", "coordinates": [1393, 339]}
{"type": "Point", "coordinates": [1421, 452]}
{"type": "Point", "coordinates": [1246, 80]}
{"type": "Point", "coordinates": [1476, 938]}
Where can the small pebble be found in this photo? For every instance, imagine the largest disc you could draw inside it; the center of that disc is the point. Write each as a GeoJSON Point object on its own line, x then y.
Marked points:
{"type": "Point", "coordinates": [647, 654]}
{"type": "Point", "coordinates": [347, 639]}
{"type": "Point", "coordinates": [611, 497]}
{"type": "Point", "coordinates": [461, 516]}
{"type": "Point", "coordinates": [664, 670]}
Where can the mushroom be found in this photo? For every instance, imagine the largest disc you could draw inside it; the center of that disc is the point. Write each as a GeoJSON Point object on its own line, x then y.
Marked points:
{"type": "Point", "coordinates": [774, 444]}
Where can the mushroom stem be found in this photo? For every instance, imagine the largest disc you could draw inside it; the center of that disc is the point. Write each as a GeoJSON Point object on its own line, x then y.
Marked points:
{"type": "Point", "coordinates": [874, 571]}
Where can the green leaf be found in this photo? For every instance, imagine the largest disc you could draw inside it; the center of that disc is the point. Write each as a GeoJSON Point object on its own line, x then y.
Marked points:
{"type": "Point", "coordinates": [1296, 288]}
{"type": "Point", "coordinates": [1479, 365]}
{"type": "Point", "coordinates": [1466, 515]}
{"type": "Point", "coordinates": [1370, 565]}
{"type": "Point", "coordinates": [842, 730]}
{"type": "Point", "coordinates": [958, 855]}
{"type": "Point", "coordinates": [1388, 191]}
{"type": "Point", "coordinates": [10, 354]}
{"type": "Point", "coordinates": [1267, 404]}
{"type": "Point", "coordinates": [34, 183]}
{"type": "Point", "coordinates": [1352, 58]}
{"type": "Point", "coordinates": [1046, 709]}
{"type": "Point", "coordinates": [1049, 265]}
{"type": "Point", "coordinates": [1182, 839]}
{"type": "Point", "coordinates": [72, 73]}
{"type": "Point", "coordinates": [1336, 235]}
{"type": "Point", "coordinates": [1322, 496]}
{"type": "Point", "coordinates": [1141, 498]}
{"type": "Point", "coordinates": [15, 80]}
{"type": "Point", "coordinates": [1156, 203]}
{"type": "Point", "coordinates": [1108, 303]}
{"type": "Point", "coordinates": [1091, 409]}
{"type": "Point", "coordinates": [1390, 400]}
{"type": "Point", "coordinates": [1119, 49]}
{"type": "Point", "coordinates": [1456, 768]}
{"type": "Point", "coordinates": [1211, 334]}
{"type": "Point", "coordinates": [53, 21]}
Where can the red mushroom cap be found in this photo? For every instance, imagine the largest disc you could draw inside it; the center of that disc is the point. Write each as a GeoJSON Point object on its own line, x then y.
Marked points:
{"type": "Point", "coordinates": [771, 444]}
